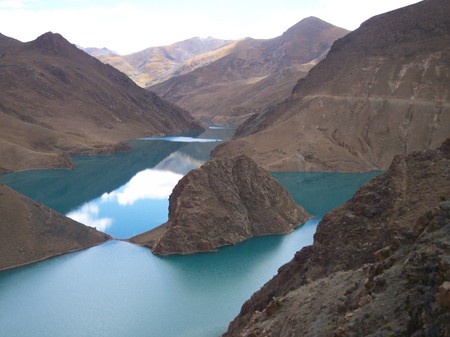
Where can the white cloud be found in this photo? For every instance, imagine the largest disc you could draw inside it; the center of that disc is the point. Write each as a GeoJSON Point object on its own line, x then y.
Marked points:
{"type": "Point", "coordinates": [12, 4]}
{"type": "Point", "coordinates": [88, 215]}
{"type": "Point", "coordinates": [147, 184]}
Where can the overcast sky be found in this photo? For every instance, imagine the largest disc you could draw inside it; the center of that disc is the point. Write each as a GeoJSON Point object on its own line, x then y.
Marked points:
{"type": "Point", "coordinates": [130, 26]}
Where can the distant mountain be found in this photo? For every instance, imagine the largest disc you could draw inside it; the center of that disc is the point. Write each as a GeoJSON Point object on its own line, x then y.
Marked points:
{"type": "Point", "coordinates": [97, 52]}
{"type": "Point", "coordinates": [156, 64]}
{"type": "Point", "coordinates": [55, 99]}
{"type": "Point", "coordinates": [382, 90]}
{"type": "Point", "coordinates": [251, 74]}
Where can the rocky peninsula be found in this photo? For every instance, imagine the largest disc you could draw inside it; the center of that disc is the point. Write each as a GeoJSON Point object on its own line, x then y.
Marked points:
{"type": "Point", "coordinates": [379, 265]}
{"type": "Point", "coordinates": [224, 202]}
{"type": "Point", "coordinates": [30, 231]}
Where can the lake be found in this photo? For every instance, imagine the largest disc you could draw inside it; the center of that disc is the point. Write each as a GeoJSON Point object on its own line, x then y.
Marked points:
{"type": "Point", "coordinates": [120, 289]}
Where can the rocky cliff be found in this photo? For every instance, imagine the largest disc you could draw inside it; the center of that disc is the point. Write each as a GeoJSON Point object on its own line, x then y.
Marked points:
{"type": "Point", "coordinates": [379, 265]}
{"type": "Point", "coordinates": [382, 90]}
{"type": "Point", "coordinates": [30, 231]}
{"type": "Point", "coordinates": [55, 99]}
{"type": "Point", "coordinates": [224, 202]}
{"type": "Point", "coordinates": [251, 74]}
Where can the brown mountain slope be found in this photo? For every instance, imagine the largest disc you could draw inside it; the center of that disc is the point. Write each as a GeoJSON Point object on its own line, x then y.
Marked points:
{"type": "Point", "coordinates": [382, 90]}
{"type": "Point", "coordinates": [379, 265]}
{"type": "Point", "coordinates": [30, 231]}
{"type": "Point", "coordinates": [254, 73]}
{"type": "Point", "coordinates": [157, 64]}
{"type": "Point", "coordinates": [56, 99]}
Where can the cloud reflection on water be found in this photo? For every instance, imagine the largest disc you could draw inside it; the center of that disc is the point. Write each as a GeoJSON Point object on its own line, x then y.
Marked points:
{"type": "Point", "coordinates": [147, 184]}
{"type": "Point", "coordinates": [88, 215]}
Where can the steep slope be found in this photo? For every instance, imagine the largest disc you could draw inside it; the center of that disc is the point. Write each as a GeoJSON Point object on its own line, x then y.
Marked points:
{"type": "Point", "coordinates": [224, 202]}
{"type": "Point", "coordinates": [382, 90]}
{"type": "Point", "coordinates": [56, 99]}
{"type": "Point", "coordinates": [157, 64]}
{"type": "Point", "coordinates": [379, 265]}
{"type": "Point", "coordinates": [30, 231]}
{"type": "Point", "coordinates": [254, 73]}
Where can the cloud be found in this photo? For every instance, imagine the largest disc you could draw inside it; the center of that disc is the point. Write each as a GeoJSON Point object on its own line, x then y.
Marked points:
{"type": "Point", "coordinates": [147, 184]}
{"type": "Point", "coordinates": [88, 215]}
{"type": "Point", "coordinates": [12, 4]}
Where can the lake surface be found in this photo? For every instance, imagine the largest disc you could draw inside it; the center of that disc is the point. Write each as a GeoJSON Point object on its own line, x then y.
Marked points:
{"type": "Point", "coordinates": [120, 289]}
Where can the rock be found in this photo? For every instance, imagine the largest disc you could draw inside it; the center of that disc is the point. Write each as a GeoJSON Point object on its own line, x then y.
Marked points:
{"type": "Point", "coordinates": [398, 285]}
{"type": "Point", "coordinates": [30, 231]}
{"type": "Point", "coordinates": [444, 294]}
{"type": "Point", "coordinates": [224, 202]}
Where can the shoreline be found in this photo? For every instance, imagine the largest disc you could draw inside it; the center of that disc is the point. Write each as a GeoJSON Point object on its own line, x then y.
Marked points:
{"type": "Point", "coordinates": [55, 255]}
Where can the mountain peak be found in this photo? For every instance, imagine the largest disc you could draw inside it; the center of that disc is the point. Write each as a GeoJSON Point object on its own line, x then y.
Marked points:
{"type": "Point", "coordinates": [309, 25]}
{"type": "Point", "coordinates": [53, 43]}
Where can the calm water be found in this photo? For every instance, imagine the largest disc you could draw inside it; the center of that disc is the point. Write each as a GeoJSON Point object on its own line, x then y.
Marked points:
{"type": "Point", "coordinates": [119, 289]}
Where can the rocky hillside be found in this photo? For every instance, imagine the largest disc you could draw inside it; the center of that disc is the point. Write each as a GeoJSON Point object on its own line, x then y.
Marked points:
{"type": "Point", "coordinates": [382, 90]}
{"type": "Point", "coordinates": [158, 64]}
{"type": "Point", "coordinates": [379, 265]}
{"type": "Point", "coordinates": [56, 99]}
{"type": "Point", "coordinates": [252, 74]}
{"type": "Point", "coordinates": [224, 202]}
{"type": "Point", "coordinates": [30, 231]}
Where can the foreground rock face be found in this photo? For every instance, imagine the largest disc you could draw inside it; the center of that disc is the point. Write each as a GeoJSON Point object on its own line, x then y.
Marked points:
{"type": "Point", "coordinates": [30, 231]}
{"type": "Point", "coordinates": [223, 202]}
{"type": "Point", "coordinates": [379, 265]}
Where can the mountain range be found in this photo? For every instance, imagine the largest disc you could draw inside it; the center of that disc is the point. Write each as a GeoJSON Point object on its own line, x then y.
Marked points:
{"type": "Point", "coordinates": [382, 90]}
{"type": "Point", "coordinates": [252, 75]}
{"type": "Point", "coordinates": [225, 81]}
{"type": "Point", "coordinates": [157, 64]}
{"type": "Point", "coordinates": [55, 100]}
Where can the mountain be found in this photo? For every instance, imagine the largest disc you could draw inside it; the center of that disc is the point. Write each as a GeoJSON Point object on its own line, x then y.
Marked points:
{"type": "Point", "coordinates": [157, 64]}
{"type": "Point", "coordinates": [382, 90]}
{"type": "Point", "coordinates": [56, 100]}
{"type": "Point", "coordinates": [30, 231]}
{"type": "Point", "coordinates": [97, 52]}
{"type": "Point", "coordinates": [379, 264]}
{"type": "Point", "coordinates": [223, 202]}
{"type": "Point", "coordinates": [252, 74]}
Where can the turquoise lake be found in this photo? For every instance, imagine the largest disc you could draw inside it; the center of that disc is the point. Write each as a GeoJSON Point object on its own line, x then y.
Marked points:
{"type": "Point", "coordinates": [120, 289]}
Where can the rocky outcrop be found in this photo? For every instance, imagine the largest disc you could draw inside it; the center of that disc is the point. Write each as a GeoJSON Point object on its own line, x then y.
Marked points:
{"type": "Point", "coordinates": [57, 100]}
{"type": "Point", "coordinates": [382, 90]}
{"type": "Point", "coordinates": [224, 202]}
{"type": "Point", "coordinates": [30, 231]}
{"type": "Point", "coordinates": [379, 265]}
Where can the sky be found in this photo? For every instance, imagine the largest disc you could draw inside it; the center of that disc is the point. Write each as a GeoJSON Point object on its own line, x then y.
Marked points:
{"type": "Point", "coordinates": [131, 26]}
